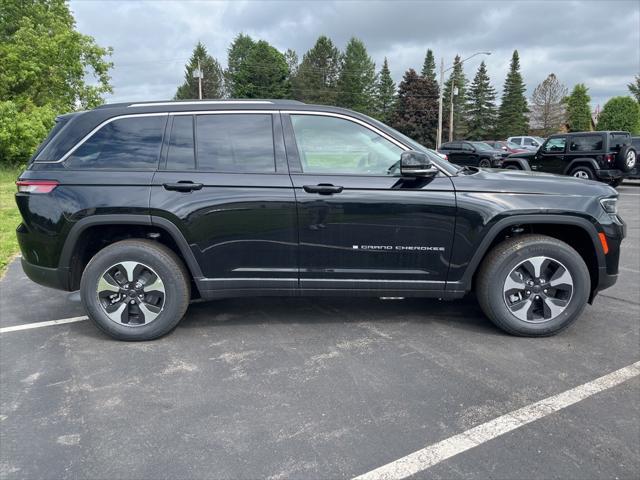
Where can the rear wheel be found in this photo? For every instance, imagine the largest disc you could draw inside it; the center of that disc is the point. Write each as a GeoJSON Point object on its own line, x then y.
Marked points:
{"type": "Point", "coordinates": [615, 183]}
{"type": "Point", "coordinates": [586, 173]}
{"type": "Point", "coordinates": [135, 290]}
{"type": "Point", "coordinates": [512, 166]}
{"type": "Point", "coordinates": [533, 285]}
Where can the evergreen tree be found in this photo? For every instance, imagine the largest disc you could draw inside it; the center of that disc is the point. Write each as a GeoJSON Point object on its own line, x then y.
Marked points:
{"type": "Point", "coordinates": [212, 81]}
{"type": "Point", "coordinates": [263, 73]}
{"type": "Point", "coordinates": [237, 54]}
{"type": "Point", "coordinates": [634, 88]}
{"type": "Point", "coordinates": [481, 106]}
{"type": "Point", "coordinates": [291, 57]}
{"type": "Point", "coordinates": [578, 109]}
{"type": "Point", "coordinates": [457, 80]}
{"type": "Point", "coordinates": [317, 76]}
{"type": "Point", "coordinates": [415, 115]}
{"type": "Point", "coordinates": [512, 114]}
{"type": "Point", "coordinates": [620, 113]}
{"type": "Point", "coordinates": [429, 66]}
{"type": "Point", "coordinates": [547, 109]}
{"type": "Point", "coordinates": [357, 79]}
{"type": "Point", "coordinates": [385, 93]}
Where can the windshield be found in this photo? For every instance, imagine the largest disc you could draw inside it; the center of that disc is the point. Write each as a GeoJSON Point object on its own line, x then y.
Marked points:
{"type": "Point", "coordinates": [433, 156]}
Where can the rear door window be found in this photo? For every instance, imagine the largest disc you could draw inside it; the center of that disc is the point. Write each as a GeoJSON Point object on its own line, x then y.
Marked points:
{"type": "Point", "coordinates": [235, 143]}
{"type": "Point", "coordinates": [586, 143]}
{"type": "Point", "coordinates": [131, 143]}
{"type": "Point", "coordinates": [181, 148]}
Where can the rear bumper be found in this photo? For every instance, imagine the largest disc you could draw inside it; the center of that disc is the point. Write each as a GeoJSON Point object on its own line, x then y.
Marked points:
{"type": "Point", "coordinates": [49, 277]}
{"type": "Point", "coordinates": [610, 174]}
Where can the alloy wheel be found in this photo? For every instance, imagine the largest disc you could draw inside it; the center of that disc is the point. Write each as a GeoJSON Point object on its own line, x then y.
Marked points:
{"type": "Point", "coordinates": [131, 293]}
{"type": "Point", "coordinates": [631, 159]}
{"type": "Point", "coordinates": [538, 289]}
{"type": "Point", "coordinates": [581, 174]}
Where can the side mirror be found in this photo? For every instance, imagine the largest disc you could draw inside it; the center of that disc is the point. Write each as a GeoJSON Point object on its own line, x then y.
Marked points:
{"type": "Point", "coordinates": [416, 164]}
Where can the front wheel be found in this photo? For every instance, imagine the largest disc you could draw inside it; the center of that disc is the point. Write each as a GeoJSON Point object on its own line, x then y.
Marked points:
{"type": "Point", "coordinates": [533, 285]}
{"type": "Point", "coordinates": [484, 163]}
{"type": "Point", "coordinates": [135, 290]}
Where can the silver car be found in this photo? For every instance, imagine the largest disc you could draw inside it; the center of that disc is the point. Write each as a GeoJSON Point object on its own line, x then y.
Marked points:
{"type": "Point", "coordinates": [527, 142]}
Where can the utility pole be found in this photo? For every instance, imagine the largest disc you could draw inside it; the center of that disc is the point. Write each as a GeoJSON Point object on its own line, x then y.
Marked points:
{"type": "Point", "coordinates": [199, 81]}
{"type": "Point", "coordinates": [454, 92]}
{"type": "Point", "coordinates": [439, 137]}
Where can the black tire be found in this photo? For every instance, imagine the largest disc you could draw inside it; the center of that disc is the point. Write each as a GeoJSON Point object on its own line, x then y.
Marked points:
{"type": "Point", "coordinates": [484, 163]}
{"type": "Point", "coordinates": [583, 172]}
{"type": "Point", "coordinates": [163, 262]}
{"type": "Point", "coordinates": [513, 166]}
{"type": "Point", "coordinates": [616, 183]}
{"type": "Point", "coordinates": [508, 255]}
{"type": "Point", "coordinates": [626, 159]}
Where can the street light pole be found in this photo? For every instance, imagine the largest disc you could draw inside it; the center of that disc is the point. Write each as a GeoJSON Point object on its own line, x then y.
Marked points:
{"type": "Point", "coordinates": [442, 70]}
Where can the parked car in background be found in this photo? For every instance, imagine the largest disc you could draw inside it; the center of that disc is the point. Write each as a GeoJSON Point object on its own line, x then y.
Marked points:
{"type": "Point", "coordinates": [505, 146]}
{"type": "Point", "coordinates": [528, 143]}
{"type": "Point", "coordinates": [605, 156]}
{"type": "Point", "coordinates": [472, 154]}
{"type": "Point", "coordinates": [635, 172]}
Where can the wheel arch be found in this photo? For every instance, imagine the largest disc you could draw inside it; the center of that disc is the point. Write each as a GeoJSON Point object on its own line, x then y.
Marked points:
{"type": "Point", "coordinates": [582, 162]}
{"type": "Point", "coordinates": [89, 235]}
{"type": "Point", "coordinates": [577, 232]}
{"type": "Point", "coordinates": [521, 162]}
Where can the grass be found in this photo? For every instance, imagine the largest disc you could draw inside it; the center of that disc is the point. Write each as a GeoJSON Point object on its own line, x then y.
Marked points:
{"type": "Point", "coordinates": [9, 216]}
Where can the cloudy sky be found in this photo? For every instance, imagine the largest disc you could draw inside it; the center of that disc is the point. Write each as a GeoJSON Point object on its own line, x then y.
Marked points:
{"type": "Point", "coordinates": [593, 42]}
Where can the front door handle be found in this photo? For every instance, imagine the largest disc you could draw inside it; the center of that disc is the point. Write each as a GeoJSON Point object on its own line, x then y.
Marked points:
{"type": "Point", "coordinates": [323, 188]}
{"type": "Point", "coordinates": [182, 186]}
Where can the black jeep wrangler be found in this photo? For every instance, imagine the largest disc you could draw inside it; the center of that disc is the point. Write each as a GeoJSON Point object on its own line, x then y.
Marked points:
{"type": "Point", "coordinates": [605, 156]}
{"type": "Point", "coordinates": [146, 206]}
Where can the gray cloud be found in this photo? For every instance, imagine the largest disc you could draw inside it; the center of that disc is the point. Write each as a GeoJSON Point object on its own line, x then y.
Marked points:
{"type": "Point", "coordinates": [591, 42]}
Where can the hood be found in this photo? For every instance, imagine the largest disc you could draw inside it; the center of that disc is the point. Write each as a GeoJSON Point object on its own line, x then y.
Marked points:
{"type": "Point", "coordinates": [525, 181]}
{"type": "Point", "coordinates": [523, 154]}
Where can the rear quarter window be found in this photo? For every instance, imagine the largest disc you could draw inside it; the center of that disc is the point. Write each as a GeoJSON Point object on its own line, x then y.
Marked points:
{"type": "Point", "coordinates": [123, 144]}
{"type": "Point", "coordinates": [586, 143]}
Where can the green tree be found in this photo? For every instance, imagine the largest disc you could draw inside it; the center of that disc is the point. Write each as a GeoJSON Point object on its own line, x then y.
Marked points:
{"type": "Point", "coordinates": [547, 109]}
{"type": "Point", "coordinates": [291, 57]}
{"type": "Point", "coordinates": [620, 113]}
{"type": "Point", "coordinates": [429, 66]}
{"type": "Point", "coordinates": [357, 79]}
{"type": "Point", "coordinates": [264, 73]}
{"type": "Point", "coordinates": [236, 55]}
{"type": "Point", "coordinates": [458, 82]}
{"type": "Point", "coordinates": [47, 67]}
{"type": "Point", "coordinates": [212, 81]}
{"type": "Point", "coordinates": [385, 94]}
{"type": "Point", "coordinates": [317, 77]}
{"type": "Point", "coordinates": [634, 88]}
{"type": "Point", "coordinates": [578, 109]}
{"type": "Point", "coordinates": [512, 114]}
{"type": "Point", "coordinates": [415, 115]}
{"type": "Point", "coordinates": [481, 106]}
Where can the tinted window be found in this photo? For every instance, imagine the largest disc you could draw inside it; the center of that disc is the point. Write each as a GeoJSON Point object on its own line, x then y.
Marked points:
{"type": "Point", "coordinates": [334, 145]}
{"type": "Point", "coordinates": [235, 143]}
{"type": "Point", "coordinates": [529, 141]}
{"type": "Point", "coordinates": [517, 140]}
{"type": "Point", "coordinates": [181, 155]}
{"type": "Point", "coordinates": [586, 143]}
{"type": "Point", "coordinates": [617, 140]}
{"type": "Point", "coordinates": [127, 143]}
{"type": "Point", "coordinates": [555, 145]}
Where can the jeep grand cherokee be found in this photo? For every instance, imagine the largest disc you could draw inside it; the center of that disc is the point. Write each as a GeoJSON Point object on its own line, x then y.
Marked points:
{"type": "Point", "coordinates": [146, 206]}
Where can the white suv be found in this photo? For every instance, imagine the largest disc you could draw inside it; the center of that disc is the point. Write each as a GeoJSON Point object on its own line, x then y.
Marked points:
{"type": "Point", "coordinates": [530, 143]}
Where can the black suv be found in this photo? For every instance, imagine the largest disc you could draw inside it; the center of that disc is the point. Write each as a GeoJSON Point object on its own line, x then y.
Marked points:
{"type": "Point", "coordinates": [146, 206]}
{"type": "Point", "coordinates": [604, 156]}
{"type": "Point", "coordinates": [473, 154]}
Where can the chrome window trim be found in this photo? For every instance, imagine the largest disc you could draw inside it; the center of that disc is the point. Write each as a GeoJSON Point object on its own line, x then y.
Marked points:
{"type": "Point", "coordinates": [225, 112]}
{"type": "Point", "coordinates": [374, 129]}
{"type": "Point", "coordinates": [201, 102]}
{"type": "Point", "coordinates": [92, 132]}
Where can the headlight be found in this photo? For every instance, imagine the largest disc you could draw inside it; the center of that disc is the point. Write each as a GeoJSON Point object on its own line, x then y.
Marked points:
{"type": "Point", "coordinates": [610, 205]}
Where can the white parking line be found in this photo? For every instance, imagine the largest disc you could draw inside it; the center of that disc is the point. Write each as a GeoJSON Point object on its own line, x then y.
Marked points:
{"type": "Point", "coordinates": [428, 457]}
{"type": "Point", "coordinates": [28, 326]}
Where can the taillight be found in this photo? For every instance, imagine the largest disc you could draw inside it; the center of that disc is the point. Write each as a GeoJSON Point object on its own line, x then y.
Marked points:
{"type": "Point", "coordinates": [609, 158]}
{"type": "Point", "coordinates": [36, 186]}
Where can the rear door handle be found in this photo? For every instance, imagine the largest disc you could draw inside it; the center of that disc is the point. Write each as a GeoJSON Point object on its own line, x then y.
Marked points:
{"type": "Point", "coordinates": [323, 188]}
{"type": "Point", "coordinates": [182, 186]}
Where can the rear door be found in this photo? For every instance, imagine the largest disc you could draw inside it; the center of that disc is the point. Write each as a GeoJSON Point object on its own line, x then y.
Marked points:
{"type": "Point", "coordinates": [224, 182]}
{"type": "Point", "coordinates": [361, 225]}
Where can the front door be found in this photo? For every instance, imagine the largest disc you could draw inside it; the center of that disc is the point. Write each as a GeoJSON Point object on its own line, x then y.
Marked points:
{"type": "Point", "coordinates": [550, 157]}
{"type": "Point", "coordinates": [229, 192]}
{"type": "Point", "coordinates": [361, 225]}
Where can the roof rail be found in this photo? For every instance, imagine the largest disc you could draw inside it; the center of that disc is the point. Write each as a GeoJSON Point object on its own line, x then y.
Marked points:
{"type": "Point", "coordinates": [199, 102]}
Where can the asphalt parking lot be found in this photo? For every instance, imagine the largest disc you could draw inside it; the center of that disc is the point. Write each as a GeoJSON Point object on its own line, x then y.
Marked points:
{"type": "Point", "coordinates": [315, 388]}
